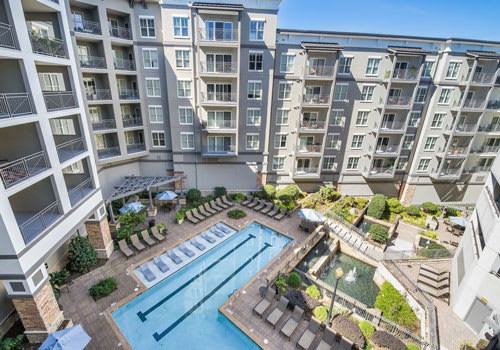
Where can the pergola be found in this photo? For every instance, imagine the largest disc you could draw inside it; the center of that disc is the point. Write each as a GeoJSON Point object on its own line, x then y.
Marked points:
{"type": "Point", "coordinates": [136, 184]}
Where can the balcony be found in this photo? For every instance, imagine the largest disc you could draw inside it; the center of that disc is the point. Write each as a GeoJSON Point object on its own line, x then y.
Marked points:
{"type": "Point", "coordinates": [390, 127]}
{"type": "Point", "coordinates": [120, 32]}
{"type": "Point", "coordinates": [405, 74]}
{"type": "Point", "coordinates": [306, 172]}
{"type": "Point", "coordinates": [16, 171]}
{"type": "Point", "coordinates": [122, 64]}
{"type": "Point", "coordinates": [135, 148]}
{"type": "Point", "coordinates": [399, 101]}
{"type": "Point", "coordinates": [15, 104]}
{"type": "Point", "coordinates": [7, 36]}
{"type": "Point", "coordinates": [389, 150]}
{"type": "Point", "coordinates": [104, 124]}
{"type": "Point", "coordinates": [87, 27]}
{"type": "Point", "coordinates": [93, 62]}
{"type": "Point", "coordinates": [128, 94]}
{"type": "Point", "coordinates": [214, 68]}
{"type": "Point", "coordinates": [312, 126]}
{"type": "Point", "coordinates": [47, 46]}
{"type": "Point", "coordinates": [32, 224]}
{"type": "Point", "coordinates": [99, 95]}
{"type": "Point", "coordinates": [219, 125]}
{"type": "Point", "coordinates": [215, 152]}
{"type": "Point", "coordinates": [482, 78]}
{"type": "Point", "coordinates": [450, 173]}
{"type": "Point", "coordinates": [131, 120]}
{"type": "Point", "coordinates": [80, 191]}
{"type": "Point", "coordinates": [477, 169]}
{"type": "Point", "coordinates": [489, 128]}
{"type": "Point", "coordinates": [469, 128]}
{"type": "Point", "coordinates": [309, 149]}
{"type": "Point", "coordinates": [456, 151]}
{"type": "Point", "coordinates": [316, 99]}
{"type": "Point", "coordinates": [472, 104]}
{"type": "Point", "coordinates": [320, 72]}
{"type": "Point", "coordinates": [70, 149]}
{"type": "Point", "coordinates": [218, 35]}
{"type": "Point", "coordinates": [486, 150]}
{"type": "Point", "coordinates": [108, 152]}
{"type": "Point", "coordinates": [379, 172]}
{"type": "Point", "coordinates": [57, 100]}
{"type": "Point", "coordinates": [219, 98]}
{"type": "Point", "coordinates": [493, 104]}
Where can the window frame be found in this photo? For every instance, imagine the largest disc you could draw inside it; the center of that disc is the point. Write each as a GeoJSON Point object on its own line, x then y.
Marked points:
{"type": "Point", "coordinates": [377, 66]}
{"type": "Point", "coordinates": [148, 28]}
{"type": "Point", "coordinates": [357, 144]}
{"type": "Point", "coordinates": [184, 88]}
{"type": "Point", "coordinates": [261, 53]}
{"type": "Point", "coordinates": [426, 165]}
{"type": "Point", "coordinates": [443, 89]}
{"type": "Point", "coordinates": [280, 135]}
{"type": "Point", "coordinates": [150, 49]}
{"type": "Point", "coordinates": [257, 30]}
{"type": "Point", "coordinates": [368, 94]}
{"type": "Point", "coordinates": [455, 70]}
{"type": "Point", "coordinates": [287, 63]}
{"type": "Point", "coordinates": [440, 126]}
{"type": "Point", "coordinates": [426, 142]}
{"type": "Point", "coordinates": [253, 109]}
{"type": "Point", "coordinates": [282, 163]}
{"type": "Point", "coordinates": [287, 117]}
{"type": "Point", "coordinates": [333, 163]}
{"type": "Point", "coordinates": [150, 79]}
{"type": "Point", "coordinates": [180, 17]}
{"type": "Point", "coordinates": [187, 134]}
{"type": "Point", "coordinates": [183, 67]}
{"type": "Point", "coordinates": [254, 82]}
{"type": "Point", "coordinates": [336, 138]}
{"type": "Point", "coordinates": [343, 71]}
{"type": "Point", "coordinates": [158, 132]}
{"type": "Point", "coordinates": [184, 108]}
{"type": "Point", "coordinates": [425, 88]}
{"type": "Point", "coordinates": [346, 91]}
{"type": "Point", "coordinates": [258, 141]}
{"type": "Point", "coordinates": [350, 168]}
{"type": "Point", "coordinates": [288, 89]}
{"type": "Point", "coordinates": [336, 117]}
{"type": "Point", "coordinates": [155, 107]}
{"type": "Point", "coordinates": [367, 111]}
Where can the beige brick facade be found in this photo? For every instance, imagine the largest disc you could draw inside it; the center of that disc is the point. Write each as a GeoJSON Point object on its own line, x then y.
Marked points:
{"type": "Point", "coordinates": [408, 193]}
{"type": "Point", "coordinates": [261, 180]}
{"type": "Point", "coordinates": [179, 184]}
{"type": "Point", "coordinates": [100, 237]}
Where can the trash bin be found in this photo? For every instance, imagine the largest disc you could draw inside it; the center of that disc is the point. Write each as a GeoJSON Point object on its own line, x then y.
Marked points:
{"type": "Point", "coordinates": [152, 223]}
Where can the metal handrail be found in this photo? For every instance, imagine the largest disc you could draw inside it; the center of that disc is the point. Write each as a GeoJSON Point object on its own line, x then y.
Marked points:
{"type": "Point", "coordinates": [71, 148]}
{"type": "Point", "coordinates": [108, 152]}
{"type": "Point", "coordinates": [98, 95]}
{"type": "Point", "coordinates": [123, 64]}
{"type": "Point", "coordinates": [405, 74]}
{"type": "Point", "coordinates": [448, 172]}
{"type": "Point", "coordinates": [92, 62]}
{"type": "Point", "coordinates": [227, 35]}
{"type": "Point", "coordinates": [131, 120]}
{"type": "Point", "coordinates": [483, 78]}
{"type": "Point", "coordinates": [88, 27]}
{"type": "Point", "coordinates": [387, 125]}
{"type": "Point", "coordinates": [230, 149]}
{"type": "Point", "coordinates": [7, 36]}
{"type": "Point", "coordinates": [55, 100]}
{"type": "Point", "coordinates": [470, 127]}
{"type": "Point", "coordinates": [455, 151]}
{"type": "Point", "coordinates": [128, 94]}
{"type": "Point", "coordinates": [381, 170]}
{"type": "Point", "coordinates": [86, 184]}
{"type": "Point", "coordinates": [309, 148]}
{"type": "Point", "coordinates": [219, 67]}
{"type": "Point", "coordinates": [135, 147]}
{"type": "Point", "coordinates": [474, 103]}
{"type": "Point", "coordinates": [47, 46]}
{"type": "Point", "coordinates": [15, 104]}
{"type": "Point", "coordinates": [316, 98]}
{"type": "Point", "coordinates": [306, 170]}
{"type": "Point", "coordinates": [399, 100]}
{"type": "Point", "coordinates": [320, 71]}
{"type": "Point", "coordinates": [489, 128]}
{"type": "Point", "coordinates": [387, 148]}
{"type": "Point", "coordinates": [493, 104]}
{"type": "Point", "coordinates": [31, 227]}
{"type": "Point", "coordinates": [219, 124]}
{"type": "Point", "coordinates": [23, 168]}
{"type": "Point", "coordinates": [219, 97]}
{"type": "Point", "coordinates": [319, 124]}
{"type": "Point", "coordinates": [104, 124]}
{"type": "Point", "coordinates": [119, 32]}
{"type": "Point", "coordinates": [486, 149]}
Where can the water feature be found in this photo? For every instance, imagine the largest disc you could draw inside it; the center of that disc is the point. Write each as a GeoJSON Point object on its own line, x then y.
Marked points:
{"type": "Point", "coordinates": [364, 226]}
{"type": "Point", "coordinates": [313, 256]}
{"type": "Point", "coordinates": [352, 275]}
{"type": "Point", "coordinates": [424, 242]}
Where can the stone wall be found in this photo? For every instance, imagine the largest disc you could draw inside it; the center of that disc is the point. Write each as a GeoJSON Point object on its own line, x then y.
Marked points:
{"type": "Point", "coordinates": [100, 237]}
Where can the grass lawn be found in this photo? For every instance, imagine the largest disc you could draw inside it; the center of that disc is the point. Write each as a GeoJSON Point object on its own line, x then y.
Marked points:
{"type": "Point", "coordinates": [389, 216]}
{"type": "Point", "coordinates": [415, 220]}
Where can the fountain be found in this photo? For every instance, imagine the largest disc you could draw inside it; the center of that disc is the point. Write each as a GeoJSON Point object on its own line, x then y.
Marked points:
{"type": "Point", "coordinates": [351, 275]}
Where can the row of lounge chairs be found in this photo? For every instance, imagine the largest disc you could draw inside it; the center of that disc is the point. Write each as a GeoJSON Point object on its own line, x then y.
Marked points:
{"type": "Point", "coordinates": [265, 207]}
{"type": "Point", "coordinates": [124, 247]}
{"type": "Point", "coordinates": [208, 209]}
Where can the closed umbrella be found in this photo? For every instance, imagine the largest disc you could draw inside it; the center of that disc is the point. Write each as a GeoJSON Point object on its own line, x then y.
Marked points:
{"type": "Point", "coordinates": [311, 215]}
{"type": "Point", "coordinates": [134, 207]}
{"type": "Point", "coordinates": [73, 338]}
{"type": "Point", "coordinates": [459, 220]}
{"type": "Point", "coordinates": [166, 196]}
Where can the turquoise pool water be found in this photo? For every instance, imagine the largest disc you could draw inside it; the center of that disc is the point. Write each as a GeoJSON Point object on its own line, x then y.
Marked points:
{"type": "Point", "coordinates": [181, 312]}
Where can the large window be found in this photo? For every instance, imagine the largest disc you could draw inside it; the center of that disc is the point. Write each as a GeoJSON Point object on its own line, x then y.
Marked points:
{"type": "Point", "coordinates": [147, 24]}
{"type": "Point", "coordinates": [253, 116]}
{"type": "Point", "coordinates": [352, 163]}
{"type": "Point", "coordinates": [181, 27]}
{"type": "Point", "coordinates": [282, 116]}
{"type": "Point", "coordinates": [219, 144]}
{"type": "Point", "coordinates": [182, 59]}
{"type": "Point", "coordinates": [284, 90]}
{"type": "Point", "coordinates": [150, 58]}
{"type": "Point", "coordinates": [286, 63]}
{"type": "Point", "coordinates": [183, 88]}
{"type": "Point", "coordinates": [444, 97]}
{"type": "Point", "coordinates": [278, 163]}
{"type": "Point", "coordinates": [254, 90]}
{"type": "Point", "coordinates": [329, 163]}
{"type": "Point", "coordinates": [372, 66]}
{"type": "Point", "coordinates": [336, 117]}
{"type": "Point", "coordinates": [220, 119]}
{"type": "Point", "coordinates": [340, 92]}
{"type": "Point", "coordinates": [430, 143]}
{"type": "Point", "coordinates": [218, 31]}
{"type": "Point", "coordinates": [155, 114]}
{"type": "Point", "coordinates": [367, 93]}
{"type": "Point", "coordinates": [252, 142]}
{"type": "Point", "coordinates": [423, 164]}
{"type": "Point", "coordinates": [187, 140]}
{"type": "Point", "coordinates": [332, 141]}
{"type": "Point", "coordinates": [437, 120]}
{"type": "Point", "coordinates": [427, 70]}
{"type": "Point", "coordinates": [408, 141]}
{"type": "Point", "coordinates": [256, 30]}
{"type": "Point", "coordinates": [452, 71]}
{"type": "Point", "coordinates": [362, 117]}
{"type": "Point", "coordinates": [185, 116]}
{"type": "Point", "coordinates": [420, 96]}
{"type": "Point", "coordinates": [414, 119]}
{"type": "Point", "coordinates": [52, 82]}
{"type": "Point", "coordinates": [357, 141]}
{"type": "Point", "coordinates": [255, 61]}
{"type": "Point", "coordinates": [153, 87]}
{"type": "Point", "coordinates": [63, 126]}
{"type": "Point", "coordinates": [158, 138]}
{"type": "Point", "coordinates": [280, 140]}
{"type": "Point", "coordinates": [345, 65]}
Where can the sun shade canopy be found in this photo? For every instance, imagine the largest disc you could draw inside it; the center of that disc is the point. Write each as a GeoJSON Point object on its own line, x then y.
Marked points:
{"type": "Point", "coordinates": [136, 184]}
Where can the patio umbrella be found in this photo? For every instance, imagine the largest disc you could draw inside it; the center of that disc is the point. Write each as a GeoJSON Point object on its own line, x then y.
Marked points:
{"type": "Point", "coordinates": [459, 220]}
{"type": "Point", "coordinates": [166, 196]}
{"type": "Point", "coordinates": [134, 207]}
{"type": "Point", "coordinates": [73, 338]}
{"type": "Point", "coordinates": [311, 215]}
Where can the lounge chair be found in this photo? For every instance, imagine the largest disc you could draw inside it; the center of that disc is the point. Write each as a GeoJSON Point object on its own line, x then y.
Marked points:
{"type": "Point", "coordinates": [220, 204]}
{"type": "Point", "coordinates": [247, 201]}
{"type": "Point", "coordinates": [209, 209]}
{"type": "Point", "coordinates": [136, 243]}
{"type": "Point", "coordinates": [183, 248]}
{"type": "Point", "coordinates": [146, 238]}
{"type": "Point", "coordinates": [262, 306]}
{"type": "Point", "coordinates": [226, 201]}
{"type": "Point", "coordinates": [125, 248]}
{"type": "Point", "coordinates": [190, 217]}
{"type": "Point", "coordinates": [202, 211]}
{"type": "Point", "coordinates": [197, 244]}
{"type": "Point", "coordinates": [156, 234]}
{"type": "Point", "coordinates": [197, 215]}
{"type": "Point", "coordinates": [174, 257]}
{"type": "Point", "coordinates": [281, 215]}
{"type": "Point", "coordinates": [224, 229]}
{"type": "Point", "coordinates": [161, 264]}
{"type": "Point", "coordinates": [148, 275]}
{"type": "Point", "coordinates": [207, 237]}
{"type": "Point", "coordinates": [292, 323]}
{"type": "Point", "coordinates": [267, 208]}
{"type": "Point", "coordinates": [327, 340]}
{"type": "Point", "coordinates": [275, 211]}
{"type": "Point", "coordinates": [254, 203]}
{"type": "Point", "coordinates": [217, 232]}
{"type": "Point", "coordinates": [309, 334]}
{"type": "Point", "coordinates": [215, 206]}
{"type": "Point", "coordinates": [261, 205]}
{"type": "Point", "coordinates": [276, 315]}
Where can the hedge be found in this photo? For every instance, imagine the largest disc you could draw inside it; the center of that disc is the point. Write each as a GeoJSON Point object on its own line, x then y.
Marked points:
{"type": "Point", "coordinates": [313, 291]}
{"type": "Point", "coordinates": [237, 197]}
{"type": "Point", "coordinates": [452, 212]}
{"type": "Point", "coordinates": [367, 328]}
{"type": "Point", "coordinates": [290, 190]}
{"type": "Point", "coordinates": [387, 340]}
{"type": "Point", "coordinates": [378, 233]}
{"type": "Point", "coordinates": [220, 191]}
{"type": "Point", "coordinates": [349, 329]}
{"type": "Point", "coordinates": [103, 287]}
{"type": "Point", "coordinates": [394, 205]}
{"type": "Point", "coordinates": [430, 207]}
{"type": "Point", "coordinates": [236, 214]}
{"type": "Point", "coordinates": [81, 255]}
{"type": "Point", "coordinates": [294, 280]}
{"type": "Point", "coordinates": [394, 307]}
{"type": "Point", "coordinates": [193, 194]}
{"type": "Point", "coordinates": [321, 313]}
{"type": "Point", "coordinates": [412, 210]}
{"type": "Point", "coordinates": [377, 206]}
{"type": "Point", "coordinates": [435, 251]}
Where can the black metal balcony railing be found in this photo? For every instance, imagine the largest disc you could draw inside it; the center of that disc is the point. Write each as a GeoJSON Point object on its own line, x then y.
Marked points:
{"type": "Point", "coordinates": [219, 124]}
{"type": "Point", "coordinates": [7, 36]}
{"type": "Point", "coordinates": [131, 120]}
{"type": "Point", "coordinates": [99, 95]}
{"type": "Point", "coordinates": [320, 71]}
{"type": "Point", "coordinates": [123, 64]}
{"type": "Point", "coordinates": [227, 35]}
{"type": "Point", "coordinates": [489, 128]}
{"type": "Point", "coordinates": [104, 124]}
{"type": "Point", "coordinates": [135, 147]}
{"type": "Point", "coordinates": [128, 94]}
{"type": "Point", "coordinates": [56, 100]}
{"type": "Point", "coordinates": [70, 149]}
{"type": "Point", "coordinates": [405, 74]}
{"type": "Point", "coordinates": [23, 168]}
{"type": "Point", "coordinates": [120, 32]}
{"type": "Point", "coordinates": [87, 27]}
{"type": "Point", "coordinates": [15, 104]}
{"type": "Point", "coordinates": [399, 101]}
{"type": "Point", "coordinates": [318, 124]}
{"type": "Point", "coordinates": [316, 98]}
{"type": "Point", "coordinates": [227, 97]}
{"type": "Point", "coordinates": [310, 148]}
{"type": "Point", "coordinates": [47, 46]}
{"type": "Point", "coordinates": [483, 78]}
{"type": "Point", "coordinates": [493, 104]}
{"type": "Point", "coordinates": [219, 67]}
{"type": "Point", "coordinates": [40, 221]}
{"type": "Point", "coordinates": [79, 192]}
{"type": "Point", "coordinates": [92, 62]}
{"type": "Point", "coordinates": [108, 152]}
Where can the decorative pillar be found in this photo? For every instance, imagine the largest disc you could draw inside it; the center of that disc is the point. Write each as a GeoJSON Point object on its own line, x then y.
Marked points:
{"type": "Point", "coordinates": [99, 235]}
{"type": "Point", "coordinates": [179, 184]}
{"type": "Point", "coordinates": [261, 180]}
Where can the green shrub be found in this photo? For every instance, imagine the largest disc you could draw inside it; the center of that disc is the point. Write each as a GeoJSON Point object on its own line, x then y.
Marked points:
{"type": "Point", "coordinates": [321, 313]}
{"type": "Point", "coordinates": [180, 215]}
{"type": "Point", "coordinates": [12, 343]}
{"type": "Point", "coordinates": [360, 203]}
{"type": "Point", "coordinates": [412, 210]}
{"type": "Point", "coordinates": [378, 233]}
{"type": "Point", "coordinates": [82, 256]}
{"type": "Point", "coordinates": [313, 291]}
{"type": "Point", "coordinates": [394, 307]}
{"type": "Point", "coordinates": [237, 197]}
{"type": "Point", "coordinates": [430, 207]}
{"type": "Point", "coordinates": [220, 191]}
{"type": "Point", "coordinates": [367, 328]}
{"type": "Point", "coordinates": [313, 201]}
{"type": "Point", "coordinates": [103, 287]}
{"type": "Point", "coordinates": [294, 280]}
{"type": "Point", "coordinates": [290, 190]}
{"type": "Point", "coordinates": [128, 222]}
{"type": "Point", "coordinates": [57, 279]}
{"type": "Point", "coordinates": [329, 194]}
{"type": "Point", "coordinates": [394, 205]}
{"type": "Point", "coordinates": [411, 346]}
{"type": "Point", "coordinates": [377, 206]}
{"type": "Point", "coordinates": [236, 214]}
{"type": "Point", "coordinates": [281, 284]}
{"type": "Point", "coordinates": [348, 329]}
{"type": "Point", "coordinates": [269, 191]}
{"type": "Point", "coordinates": [430, 234]}
{"type": "Point", "coordinates": [452, 212]}
{"type": "Point", "coordinates": [193, 194]}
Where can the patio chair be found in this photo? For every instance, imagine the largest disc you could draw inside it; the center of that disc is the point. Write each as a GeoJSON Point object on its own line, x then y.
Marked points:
{"type": "Point", "coordinates": [220, 204]}
{"type": "Point", "coordinates": [254, 203]}
{"type": "Point", "coordinates": [161, 264]}
{"type": "Point", "coordinates": [209, 209]}
{"type": "Point", "coordinates": [183, 248]}
{"type": "Point", "coordinates": [156, 234]}
{"type": "Point", "coordinates": [125, 248]}
{"type": "Point", "coordinates": [217, 232]}
{"type": "Point", "coordinates": [281, 215]}
{"type": "Point", "coordinates": [275, 211]}
{"type": "Point", "coordinates": [207, 237]}
{"type": "Point", "coordinates": [148, 275]}
{"type": "Point", "coordinates": [267, 208]}
{"type": "Point", "coordinates": [260, 206]}
{"type": "Point", "coordinates": [197, 215]}
{"type": "Point", "coordinates": [197, 244]}
{"type": "Point", "coordinates": [146, 238]}
{"type": "Point", "coordinates": [327, 340]}
{"type": "Point", "coordinates": [136, 243]}
{"type": "Point", "coordinates": [262, 306]}
{"type": "Point", "coordinates": [278, 312]}
{"type": "Point", "coordinates": [174, 257]}
{"type": "Point", "coordinates": [204, 212]}
{"type": "Point", "coordinates": [190, 217]}
{"type": "Point", "coordinates": [309, 334]}
{"type": "Point", "coordinates": [215, 206]}
{"type": "Point", "coordinates": [223, 228]}
{"type": "Point", "coordinates": [227, 201]}
{"type": "Point", "coordinates": [247, 201]}
{"type": "Point", "coordinates": [292, 323]}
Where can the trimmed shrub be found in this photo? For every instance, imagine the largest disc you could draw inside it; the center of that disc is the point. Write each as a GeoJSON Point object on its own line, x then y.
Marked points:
{"type": "Point", "coordinates": [412, 210]}
{"type": "Point", "coordinates": [349, 329]}
{"type": "Point", "coordinates": [193, 194]}
{"type": "Point", "coordinates": [329, 193]}
{"type": "Point", "coordinates": [452, 212]}
{"type": "Point", "coordinates": [435, 251]}
{"type": "Point", "coordinates": [301, 299]}
{"type": "Point", "coordinates": [411, 346]}
{"type": "Point", "coordinates": [430, 207]}
{"type": "Point", "coordinates": [387, 340]}
{"type": "Point", "coordinates": [378, 233]}
{"type": "Point", "coordinates": [270, 191]}
{"type": "Point", "coordinates": [103, 288]}
{"type": "Point", "coordinates": [321, 313]}
{"type": "Point", "coordinates": [294, 280]}
{"type": "Point", "coordinates": [394, 307]}
{"type": "Point", "coordinates": [237, 197]}
{"type": "Point", "coordinates": [377, 206]}
{"type": "Point", "coordinates": [281, 284]}
{"type": "Point", "coordinates": [220, 191]}
{"type": "Point", "coordinates": [236, 214]}
{"type": "Point", "coordinates": [82, 256]}
{"type": "Point", "coordinates": [12, 343]}
{"type": "Point", "coordinates": [394, 205]}
{"type": "Point", "coordinates": [367, 328]}
{"type": "Point", "coordinates": [313, 291]}
{"type": "Point", "coordinates": [429, 233]}
{"type": "Point", "coordinates": [290, 190]}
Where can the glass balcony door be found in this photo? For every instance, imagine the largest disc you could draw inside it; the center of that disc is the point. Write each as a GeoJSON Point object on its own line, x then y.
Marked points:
{"type": "Point", "coordinates": [219, 119]}
{"type": "Point", "coordinates": [219, 144]}
{"type": "Point", "coordinates": [219, 62]}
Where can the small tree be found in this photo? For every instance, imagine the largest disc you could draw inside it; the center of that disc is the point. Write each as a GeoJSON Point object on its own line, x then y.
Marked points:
{"type": "Point", "coordinates": [394, 205]}
{"type": "Point", "coordinates": [128, 221]}
{"type": "Point", "coordinates": [220, 191]}
{"type": "Point", "coordinates": [294, 280]}
{"type": "Point", "coordinates": [328, 193]}
{"type": "Point", "coordinates": [377, 206]}
{"type": "Point", "coordinates": [430, 207]}
{"type": "Point", "coordinates": [269, 191]}
{"type": "Point", "coordinates": [82, 256]}
{"type": "Point", "coordinates": [193, 194]}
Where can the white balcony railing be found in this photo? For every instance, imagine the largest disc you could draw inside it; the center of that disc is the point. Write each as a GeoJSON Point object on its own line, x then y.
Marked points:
{"type": "Point", "coordinates": [40, 221]}
{"type": "Point", "coordinates": [394, 148]}
{"type": "Point", "coordinates": [386, 125]}
{"type": "Point", "coordinates": [224, 97]}
{"type": "Point", "coordinates": [120, 32]}
{"type": "Point", "coordinates": [47, 46]}
{"type": "Point", "coordinates": [92, 62]}
{"type": "Point", "coordinates": [79, 192]}
{"type": "Point", "coordinates": [123, 64]}
{"type": "Point", "coordinates": [56, 100]}
{"type": "Point", "coordinates": [224, 35]}
{"type": "Point", "coordinates": [306, 171]}
{"type": "Point", "coordinates": [104, 124]}
{"type": "Point", "coordinates": [316, 98]}
{"type": "Point", "coordinates": [486, 149]}
{"type": "Point", "coordinates": [219, 67]}
{"type": "Point", "coordinates": [87, 27]}
{"type": "Point", "coordinates": [23, 168]}
{"type": "Point", "coordinates": [309, 148]}
{"type": "Point", "coordinates": [99, 95]}
{"type": "Point", "coordinates": [15, 104]}
{"type": "Point", "coordinates": [468, 128]}
{"type": "Point", "coordinates": [7, 36]}
{"type": "Point", "coordinates": [70, 149]}
{"type": "Point", "coordinates": [474, 104]}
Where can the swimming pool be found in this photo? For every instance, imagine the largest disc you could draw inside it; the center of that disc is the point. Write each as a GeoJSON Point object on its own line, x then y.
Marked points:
{"type": "Point", "coordinates": [181, 312]}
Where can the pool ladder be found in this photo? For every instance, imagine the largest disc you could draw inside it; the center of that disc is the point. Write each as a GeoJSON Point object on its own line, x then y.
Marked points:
{"type": "Point", "coordinates": [230, 294]}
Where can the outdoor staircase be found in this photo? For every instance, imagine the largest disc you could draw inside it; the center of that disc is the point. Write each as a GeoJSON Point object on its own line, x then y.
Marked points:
{"type": "Point", "coordinates": [435, 282]}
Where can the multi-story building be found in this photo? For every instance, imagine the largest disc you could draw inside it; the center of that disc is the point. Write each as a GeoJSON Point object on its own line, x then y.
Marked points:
{"type": "Point", "coordinates": [475, 275]}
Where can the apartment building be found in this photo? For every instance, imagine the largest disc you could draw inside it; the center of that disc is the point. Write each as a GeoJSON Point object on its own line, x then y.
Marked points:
{"type": "Point", "coordinates": [475, 274]}
{"type": "Point", "coordinates": [49, 188]}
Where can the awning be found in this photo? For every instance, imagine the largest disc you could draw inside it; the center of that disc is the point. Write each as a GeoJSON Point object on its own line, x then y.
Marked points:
{"type": "Point", "coordinates": [483, 54]}
{"type": "Point", "coordinates": [136, 184]}
{"type": "Point", "coordinates": [407, 50]}
{"type": "Point", "coordinates": [317, 46]}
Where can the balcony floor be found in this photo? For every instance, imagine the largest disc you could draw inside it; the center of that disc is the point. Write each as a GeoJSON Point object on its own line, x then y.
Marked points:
{"type": "Point", "coordinates": [64, 155]}
{"type": "Point", "coordinates": [36, 227]}
{"type": "Point", "coordinates": [77, 196]}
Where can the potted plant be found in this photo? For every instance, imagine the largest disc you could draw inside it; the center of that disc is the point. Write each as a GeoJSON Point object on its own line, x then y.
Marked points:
{"type": "Point", "coordinates": [161, 227]}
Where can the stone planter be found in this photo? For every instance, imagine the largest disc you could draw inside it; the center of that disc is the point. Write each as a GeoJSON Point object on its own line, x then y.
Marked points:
{"type": "Point", "coordinates": [114, 227]}
{"type": "Point", "coordinates": [152, 212]}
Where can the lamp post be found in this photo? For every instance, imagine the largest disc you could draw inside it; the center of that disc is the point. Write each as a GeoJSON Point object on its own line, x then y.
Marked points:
{"type": "Point", "coordinates": [339, 273]}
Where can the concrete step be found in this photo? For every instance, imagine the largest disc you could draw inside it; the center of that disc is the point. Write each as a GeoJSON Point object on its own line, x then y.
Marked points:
{"type": "Point", "coordinates": [434, 284]}
{"type": "Point", "coordinates": [437, 293]}
{"type": "Point", "coordinates": [433, 276]}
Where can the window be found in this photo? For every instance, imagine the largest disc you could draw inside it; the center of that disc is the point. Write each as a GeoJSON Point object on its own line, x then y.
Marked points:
{"type": "Point", "coordinates": [182, 59]}
{"type": "Point", "coordinates": [153, 87]}
{"type": "Point", "coordinates": [218, 31]}
{"type": "Point", "coordinates": [181, 27]}
{"type": "Point", "coordinates": [372, 66]}
{"type": "Point", "coordinates": [426, 71]}
{"type": "Point", "coordinates": [253, 116]}
{"type": "Point", "coordinates": [420, 96]}
{"type": "Point", "coordinates": [187, 140]}
{"type": "Point", "coordinates": [332, 141]}
{"type": "Point", "coordinates": [444, 98]}
{"type": "Point", "coordinates": [414, 119]}
{"type": "Point", "coordinates": [437, 121]}
{"type": "Point", "coordinates": [408, 141]}
{"type": "Point", "coordinates": [362, 118]}
{"type": "Point", "coordinates": [183, 88]}
{"type": "Point", "coordinates": [402, 163]}
{"type": "Point", "coordinates": [278, 163]}
{"type": "Point", "coordinates": [220, 144]}
{"type": "Point", "coordinates": [357, 141]}
{"type": "Point", "coordinates": [220, 119]}
{"type": "Point", "coordinates": [280, 141]}
{"type": "Point", "coordinates": [285, 90]}
{"type": "Point", "coordinates": [252, 142]}
{"type": "Point", "coordinates": [254, 90]}
{"type": "Point", "coordinates": [329, 163]}
{"type": "Point", "coordinates": [430, 143]}
{"type": "Point", "coordinates": [336, 117]}
{"type": "Point", "coordinates": [147, 25]}
{"type": "Point", "coordinates": [256, 30]}
{"type": "Point", "coordinates": [75, 168]}
{"type": "Point", "coordinates": [345, 65]}
{"type": "Point", "coordinates": [185, 116]}
{"type": "Point", "coordinates": [158, 138]}
{"type": "Point", "coordinates": [134, 138]}
{"type": "Point", "coordinates": [452, 71]}
{"type": "Point", "coordinates": [423, 164]}
{"type": "Point", "coordinates": [352, 163]}
{"type": "Point", "coordinates": [62, 126]}
{"type": "Point", "coordinates": [51, 81]}
{"type": "Point", "coordinates": [255, 61]}
{"type": "Point", "coordinates": [155, 114]}
{"type": "Point", "coordinates": [150, 58]}
{"type": "Point", "coordinates": [340, 92]}
{"type": "Point", "coordinates": [286, 63]}
{"type": "Point", "coordinates": [367, 93]}
{"type": "Point", "coordinates": [282, 116]}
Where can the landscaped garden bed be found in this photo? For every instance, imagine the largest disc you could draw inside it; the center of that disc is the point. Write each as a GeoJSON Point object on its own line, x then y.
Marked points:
{"type": "Point", "coordinates": [321, 200]}
{"type": "Point", "coordinates": [349, 208]}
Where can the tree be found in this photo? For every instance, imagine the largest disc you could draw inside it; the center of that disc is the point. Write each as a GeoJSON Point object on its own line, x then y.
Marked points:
{"type": "Point", "coordinates": [82, 256]}
{"type": "Point", "coordinates": [193, 194]}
